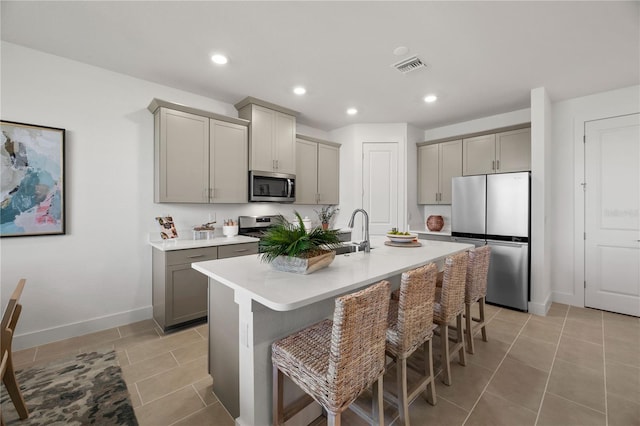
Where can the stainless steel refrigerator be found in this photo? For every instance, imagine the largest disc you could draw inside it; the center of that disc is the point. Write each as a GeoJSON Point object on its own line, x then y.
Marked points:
{"type": "Point", "coordinates": [494, 210]}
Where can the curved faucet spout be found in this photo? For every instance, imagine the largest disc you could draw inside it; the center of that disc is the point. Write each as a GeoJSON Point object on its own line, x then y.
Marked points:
{"type": "Point", "coordinates": [365, 245]}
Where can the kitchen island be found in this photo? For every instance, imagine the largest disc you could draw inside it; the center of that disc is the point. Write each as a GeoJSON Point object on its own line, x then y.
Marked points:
{"type": "Point", "coordinates": [251, 305]}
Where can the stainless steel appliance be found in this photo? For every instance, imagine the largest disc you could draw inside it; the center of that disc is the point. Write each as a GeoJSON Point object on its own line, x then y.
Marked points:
{"type": "Point", "coordinates": [494, 210]}
{"type": "Point", "coordinates": [274, 187]}
{"type": "Point", "coordinates": [255, 226]}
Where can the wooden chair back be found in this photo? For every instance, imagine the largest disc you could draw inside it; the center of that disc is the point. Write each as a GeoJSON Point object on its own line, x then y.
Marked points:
{"type": "Point", "coordinates": [8, 326]}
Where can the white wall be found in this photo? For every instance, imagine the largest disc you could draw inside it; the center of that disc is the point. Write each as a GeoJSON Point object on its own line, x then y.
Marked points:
{"type": "Point", "coordinates": [352, 138]}
{"type": "Point", "coordinates": [540, 298]}
{"type": "Point", "coordinates": [98, 275]}
{"type": "Point", "coordinates": [566, 214]}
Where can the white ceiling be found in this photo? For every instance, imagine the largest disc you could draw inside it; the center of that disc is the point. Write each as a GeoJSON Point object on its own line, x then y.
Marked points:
{"type": "Point", "coordinates": [483, 57]}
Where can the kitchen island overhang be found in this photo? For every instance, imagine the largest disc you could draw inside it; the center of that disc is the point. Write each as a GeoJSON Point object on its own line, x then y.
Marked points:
{"type": "Point", "coordinates": [251, 305]}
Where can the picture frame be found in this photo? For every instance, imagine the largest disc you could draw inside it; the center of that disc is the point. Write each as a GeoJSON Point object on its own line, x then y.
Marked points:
{"type": "Point", "coordinates": [32, 184]}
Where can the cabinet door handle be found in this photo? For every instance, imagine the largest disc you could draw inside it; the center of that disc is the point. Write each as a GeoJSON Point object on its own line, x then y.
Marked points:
{"type": "Point", "coordinates": [493, 165]}
{"type": "Point", "coordinates": [497, 164]}
{"type": "Point", "coordinates": [241, 250]}
{"type": "Point", "coordinates": [195, 256]}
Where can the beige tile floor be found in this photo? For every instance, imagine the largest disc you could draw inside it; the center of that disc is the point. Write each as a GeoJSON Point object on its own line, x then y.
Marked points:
{"type": "Point", "coordinates": [573, 367]}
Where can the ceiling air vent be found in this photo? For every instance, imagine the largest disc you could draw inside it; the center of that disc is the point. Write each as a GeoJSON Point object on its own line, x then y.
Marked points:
{"type": "Point", "coordinates": [409, 64]}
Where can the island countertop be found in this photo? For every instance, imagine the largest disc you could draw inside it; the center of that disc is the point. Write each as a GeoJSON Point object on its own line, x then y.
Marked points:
{"type": "Point", "coordinates": [285, 291]}
{"type": "Point", "coordinates": [251, 305]}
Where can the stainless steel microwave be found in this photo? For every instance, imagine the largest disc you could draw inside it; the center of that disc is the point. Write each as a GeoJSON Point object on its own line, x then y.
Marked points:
{"type": "Point", "coordinates": [270, 186]}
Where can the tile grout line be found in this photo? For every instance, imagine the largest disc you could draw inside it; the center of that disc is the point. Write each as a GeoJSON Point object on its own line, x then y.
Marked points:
{"type": "Point", "coordinates": [574, 402]}
{"type": "Point", "coordinates": [555, 354]}
{"type": "Point", "coordinates": [496, 370]}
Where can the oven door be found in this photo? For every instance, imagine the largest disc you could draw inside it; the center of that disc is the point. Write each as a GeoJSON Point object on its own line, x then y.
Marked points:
{"type": "Point", "coordinates": [274, 187]}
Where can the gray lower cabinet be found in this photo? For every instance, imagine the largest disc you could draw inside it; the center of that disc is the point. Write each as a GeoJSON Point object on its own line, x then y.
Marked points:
{"type": "Point", "coordinates": [179, 291]}
{"type": "Point", "coordinates": [434, 237]}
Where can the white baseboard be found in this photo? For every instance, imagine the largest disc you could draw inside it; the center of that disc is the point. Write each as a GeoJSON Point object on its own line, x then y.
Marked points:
{"type": "Point", "coordinates": [54, 334]}
{"type": "Point", "coordinates": [540, 308]}
{"type": "Point", "coordinates": [568, 299]}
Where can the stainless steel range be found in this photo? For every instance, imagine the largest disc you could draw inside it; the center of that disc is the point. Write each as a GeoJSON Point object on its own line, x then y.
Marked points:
{"type": "Point", "coordinates": [255, 226]}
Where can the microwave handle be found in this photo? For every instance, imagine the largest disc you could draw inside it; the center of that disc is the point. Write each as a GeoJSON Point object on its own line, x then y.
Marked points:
{"type": "Point", "coordinates": [290, 187]}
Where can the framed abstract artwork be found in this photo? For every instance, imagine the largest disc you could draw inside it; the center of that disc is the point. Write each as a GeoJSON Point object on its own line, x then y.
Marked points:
{"type": "Point", "coordinates": [31, 180]}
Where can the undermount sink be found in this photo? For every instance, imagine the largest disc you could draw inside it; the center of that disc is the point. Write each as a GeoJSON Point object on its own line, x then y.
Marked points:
{"type": "Point", "coordinates": [347, 248]}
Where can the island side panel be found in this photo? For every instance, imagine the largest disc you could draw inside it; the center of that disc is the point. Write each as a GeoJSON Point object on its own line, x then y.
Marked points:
{"type": "Point", "coordinates": [264, 326]}
{"type": "Point", "coordinates": [223, 345]}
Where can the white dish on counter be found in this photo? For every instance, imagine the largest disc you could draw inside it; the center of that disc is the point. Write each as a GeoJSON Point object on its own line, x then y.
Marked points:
{"type": "Point", "coordinates": [402, 238]}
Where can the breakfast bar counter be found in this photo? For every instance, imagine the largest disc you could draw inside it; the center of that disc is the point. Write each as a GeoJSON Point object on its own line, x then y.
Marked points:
{"type": "Point", "coordinates": [251, 305]}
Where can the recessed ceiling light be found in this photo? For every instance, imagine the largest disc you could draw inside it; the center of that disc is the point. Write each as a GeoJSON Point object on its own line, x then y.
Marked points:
{"type": "Point", "coordinates": [352, 111]}
{"type": "Point", "coordinates": [430, 98]}
{"type": "Point", "coordinates": [299, 90]}
{"type": "Point", "coordinates": [219, 59]}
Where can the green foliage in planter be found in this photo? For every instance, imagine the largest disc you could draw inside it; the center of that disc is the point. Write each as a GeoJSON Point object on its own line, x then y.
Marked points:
{"type": "Point", "coordinates": [287, 239]}
{"type": "Point", "coordinates": [327, 213]}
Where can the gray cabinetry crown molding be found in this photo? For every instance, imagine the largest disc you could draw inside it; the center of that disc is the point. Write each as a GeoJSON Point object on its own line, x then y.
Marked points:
{"type": "Point", "coordinates": [158, 103]}
{"type": "Point", "coordinates": [251, 100]}
{"type": "Point", "coordinates": [317, 140]}
{"type": "Point", "coordinates": [474, 134]}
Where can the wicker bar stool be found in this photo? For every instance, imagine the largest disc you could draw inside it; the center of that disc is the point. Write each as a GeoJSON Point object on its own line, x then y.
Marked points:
{"type": "Point", "coordinates": [335, 361]}
{"type": "Point", "coordinates": [449, 305]}
{"type": "Point", "coordinates": [411, 326]}
{"type": "Point", "coordinates": [476, 291]}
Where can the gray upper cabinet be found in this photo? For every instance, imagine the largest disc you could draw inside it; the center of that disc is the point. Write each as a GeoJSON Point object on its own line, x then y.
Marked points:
{"type": "Point", "coordinates": [272, 135]}
{"type": "Point", "coordinates": [228, 161]}
{"type": "Point", "coordinates": [502, 152]}
{"type": "Point", "coordinates": [317, 171]}
{"type": "Point", "coordinates": [200, 157]}
{"type": "Point", "coordinates": [513, 151]}
{"type": "Point", "coordinates": [437, 165]}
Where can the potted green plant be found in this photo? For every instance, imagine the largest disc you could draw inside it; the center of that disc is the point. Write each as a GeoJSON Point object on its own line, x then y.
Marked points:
{"type": "Point", "coordinates": [289, 247]}
{"type": "Point", "coordinates": [326, 214]}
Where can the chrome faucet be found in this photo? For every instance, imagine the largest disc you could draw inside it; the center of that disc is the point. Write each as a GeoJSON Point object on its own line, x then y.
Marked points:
{"type": "Point", "coordinates": [365, 245]}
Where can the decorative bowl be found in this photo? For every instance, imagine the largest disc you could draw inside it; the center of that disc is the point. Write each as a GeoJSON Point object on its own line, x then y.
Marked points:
{"type": "Point", "coordinates": [402, 238]}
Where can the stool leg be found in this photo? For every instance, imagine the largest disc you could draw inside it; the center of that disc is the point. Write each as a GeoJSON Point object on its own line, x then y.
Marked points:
{"type": "Point", "coordinates": [278, 383]}
{"type": "Point", "coordinates": [430, 390]}
{"type": "Point", "coordinates": [401, 378]}
{"type": "Point", "coordinates": [333, 419]}
{"type": "Point", "coordinates": [484, 330]}
{"type": "Point", "coordinates": [460, 340]}
{"type": "Point", "coordinates": [378, 401]}
{"type": "Point", "coordinates": [469, 330]}
{"type": "Point", "coordinates": [444, 338]}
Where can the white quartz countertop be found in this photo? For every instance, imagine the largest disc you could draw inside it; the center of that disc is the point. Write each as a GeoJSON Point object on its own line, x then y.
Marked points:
{"type": "Point", "coordinates": [178, 244]}
{"type": "Point", "coordinates": [285, 291]}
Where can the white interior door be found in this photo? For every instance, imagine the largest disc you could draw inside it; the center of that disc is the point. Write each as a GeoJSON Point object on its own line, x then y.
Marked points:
{"type": "Point", "coordinates": [380, 186]}
{"type": "Point", "coordinates": [612, 222]}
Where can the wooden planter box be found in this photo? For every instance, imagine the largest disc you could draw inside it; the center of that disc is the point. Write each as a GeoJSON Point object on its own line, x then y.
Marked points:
{"type": "Point", "coordinates": [303, 266]}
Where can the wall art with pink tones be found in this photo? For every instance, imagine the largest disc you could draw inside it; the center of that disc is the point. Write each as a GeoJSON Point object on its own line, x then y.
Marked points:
{"type": "Point", "coordinates": [31, 180]}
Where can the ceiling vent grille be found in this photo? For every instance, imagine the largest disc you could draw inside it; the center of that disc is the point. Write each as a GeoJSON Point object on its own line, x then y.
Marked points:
{"type": "Point", "coordinates": [409, 64]}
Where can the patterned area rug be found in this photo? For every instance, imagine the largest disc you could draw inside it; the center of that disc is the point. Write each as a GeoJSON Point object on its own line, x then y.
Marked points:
{"type": "Point", "coordinates": [86, 389]}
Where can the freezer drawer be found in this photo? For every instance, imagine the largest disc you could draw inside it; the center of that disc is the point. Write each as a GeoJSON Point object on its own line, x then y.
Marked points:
{"type": "Point", "coordinates": [508, 280]}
